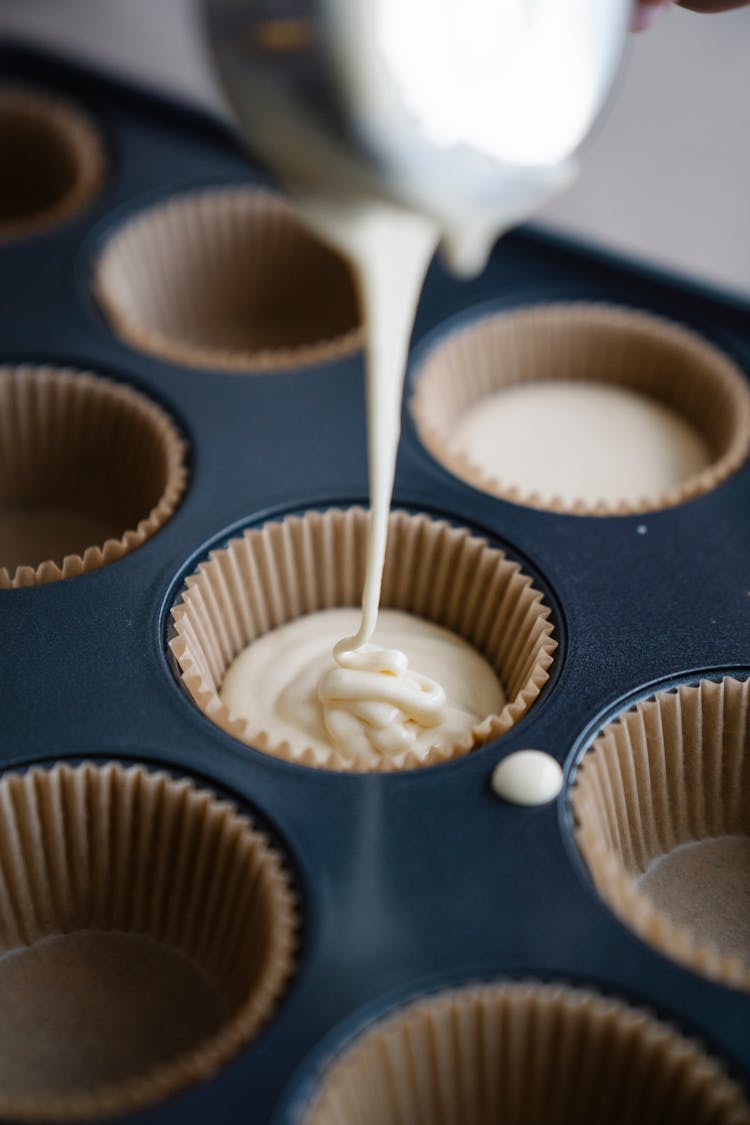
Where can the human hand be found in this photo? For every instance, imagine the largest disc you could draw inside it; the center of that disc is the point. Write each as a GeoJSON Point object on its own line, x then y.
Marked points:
{"type": "Point", "coordinates": [648, 11]}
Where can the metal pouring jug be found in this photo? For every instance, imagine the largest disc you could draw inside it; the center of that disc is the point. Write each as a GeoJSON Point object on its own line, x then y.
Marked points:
{"type": "Point", "coordinates": [467, 110]}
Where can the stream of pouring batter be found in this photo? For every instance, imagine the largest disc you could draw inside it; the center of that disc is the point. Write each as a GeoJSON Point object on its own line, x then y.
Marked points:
{"type": "Point", "coordinates": [500, 136]}
{"type": "Point", "coordinates": [370, 697]}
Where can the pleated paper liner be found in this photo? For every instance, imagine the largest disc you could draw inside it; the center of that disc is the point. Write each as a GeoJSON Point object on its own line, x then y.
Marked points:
{"type": "Point", "coordinates": [52, 158]}
{"type": "Point", "coordinates": [585, 343]}
{"type": "Point", "coordinates": [147, 931]}
{"type": "Point", "coordinates": [89, 469]}
{"type": "Point", "coordinates": [662, 811]}
{"type": "Point", "coordinates": [227, 279]}
{"type": "Point", "coordinates": [306, 563]}
{"type": "Point", "coordinates": [524, 1054]}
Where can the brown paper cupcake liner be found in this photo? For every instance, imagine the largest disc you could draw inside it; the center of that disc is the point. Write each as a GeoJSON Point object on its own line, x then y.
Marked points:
{"type": "Point", "coordinates": [89, 469]}
{"type": "Point", "coordinates": [526, 1054]}
{"type": "Point", "coordinates": [585, 343]}
{"type": "Point", "coordinates": [147, 931]}
{"type": "Point", "coordinates": [668, 783]}
{"type": "Point", "coordinates": [228, 279]}
{"type": "Point", "coordinates": [306, 563]}
{"type": "Point", "coordinates": [53, 161]}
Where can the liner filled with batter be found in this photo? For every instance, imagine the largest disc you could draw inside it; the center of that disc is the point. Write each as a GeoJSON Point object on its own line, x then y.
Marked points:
{"type": "Point", "coordinates": [228, 279]}
{"type": "Point", "coordinates": [302, 564]}
{"type": "Point", "coordinates": [89, 469]}
{"type": "Point", "coordinates": [523, 1052]}
{"type": "Point", "coordinates": [661, 802]}
{"type": "Point", "coordinates": [665, 416]}
{"type": "Point", "coordinates": [147, 932]}
{"type": "Point", "coordinates": [52, 159]}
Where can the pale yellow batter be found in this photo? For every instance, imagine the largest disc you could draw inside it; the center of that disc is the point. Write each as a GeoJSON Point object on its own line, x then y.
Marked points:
{"type": "Point", "coordinates": [580, 441]}
{"type": "Point", "coordinates": [277, 683]}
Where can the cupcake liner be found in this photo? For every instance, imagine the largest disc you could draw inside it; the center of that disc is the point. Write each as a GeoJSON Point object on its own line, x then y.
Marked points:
{"type": "Point", "coordinates": [585, 343]}
{"type": "Point", "coordinates": [227, 279]}
{"type": "Point", "coordinates": [147, 932]}
{"type": "Point", "coordinates": [302, 564]}
{"type": "Point", "coordinates": [661, 802]}
{"type": "Point", "coordinates": [53, 161]}
{"type": "Point", "coordinates": [89, 469]}
{"type": "Point", "coordinates": [525, 1053]}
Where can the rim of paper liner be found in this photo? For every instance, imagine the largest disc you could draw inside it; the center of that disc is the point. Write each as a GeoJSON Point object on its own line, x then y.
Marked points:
{"type": "Point", "coordinates": [68, 436]}
{"type": "Point", "coordinates": [225, 279]}
{"type": "Point", "coordinates": [167, 857]}
{"type": "Point", "coordinates": [583, 342]}
{"type": "Point", "coordinates": [68, 142]}
{"type": "Point", "coordinates": [296, 566]}
{"type": "Point", "coordinates": [674, 769]}
{"type": "Point", "coordinates": [523, 1052]}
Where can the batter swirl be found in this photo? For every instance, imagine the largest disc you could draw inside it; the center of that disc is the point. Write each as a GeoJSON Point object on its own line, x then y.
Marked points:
{"type": "Point", "coordinates": [371, 698]}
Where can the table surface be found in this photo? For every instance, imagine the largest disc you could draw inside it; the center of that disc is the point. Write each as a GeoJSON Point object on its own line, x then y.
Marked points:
{"type": "Point", "coordinates": [666, 176]}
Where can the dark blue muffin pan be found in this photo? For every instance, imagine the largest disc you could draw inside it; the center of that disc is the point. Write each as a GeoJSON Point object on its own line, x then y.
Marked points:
{"type": "Point", "coordinates": [410, 881]}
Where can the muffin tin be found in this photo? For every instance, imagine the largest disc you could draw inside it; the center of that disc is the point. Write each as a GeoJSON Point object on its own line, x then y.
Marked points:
{"type": "Point", "coordinates": [433, 570]}
{"type": "Point", "coordinates": [404, 885]}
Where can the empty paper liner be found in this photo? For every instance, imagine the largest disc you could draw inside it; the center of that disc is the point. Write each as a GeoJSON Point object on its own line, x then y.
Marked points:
{"type": "Point", "coordinates": [661, 802]}
{"type": "Point", "coordinates": [89, 469]}
{"type": "Point", "coordinates": [53, 161]}
{"type": "Point", "coordinates": [147, 932]}
{"type": "Point", "coordinates": [651, 374]}
{"type": "Point", "coordinates": [286, 569]}
{"type": "Point", "coordinates": [227, 279]}
{"type": "Point", "coordinates": [524, 1054]}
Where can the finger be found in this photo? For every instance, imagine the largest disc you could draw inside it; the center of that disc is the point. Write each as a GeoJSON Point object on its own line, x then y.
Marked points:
{"type": "Point", "coordinates": [647, 12]}
{"type": "Point", "coordinates": [712, 5]}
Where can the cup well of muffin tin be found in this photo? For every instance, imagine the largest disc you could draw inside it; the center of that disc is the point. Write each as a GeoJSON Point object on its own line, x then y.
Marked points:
{"type": "Point", "coordinates": [89, 469]}
{"type": "Point", "coordinates": [287, 569]}
{"type": "Point", "coordinates": [53, 161]}
{"type": "Point", "coordinates": [148, 932]}
{"type": "Point", "coordinates": [526, 1052]}
{"type": "Point", "coordinates": [227, 279]}
{"type": "Point", "coordinates": [583, 344]}
{"type": "Point", "coordinates": [406, 883]}
{"type": "Point", "coordinates": [661, 802]}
